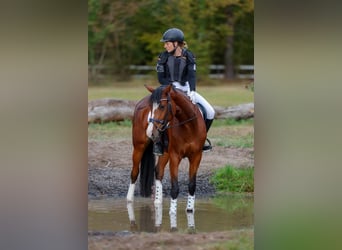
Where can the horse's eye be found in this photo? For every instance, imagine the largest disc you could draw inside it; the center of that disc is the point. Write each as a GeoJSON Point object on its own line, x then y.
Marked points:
{"type": "Point", "coordinates": [161, 107]}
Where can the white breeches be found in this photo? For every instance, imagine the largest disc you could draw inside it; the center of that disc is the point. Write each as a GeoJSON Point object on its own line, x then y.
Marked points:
{"type": "Point", "coordinates": [199, 99]}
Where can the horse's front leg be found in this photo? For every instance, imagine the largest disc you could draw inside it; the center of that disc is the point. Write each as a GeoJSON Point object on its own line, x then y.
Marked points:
{"type": "Point", "coordinates": [136, 158]}
{"type": "Point", "coordinates": [174, 163]}
{"type": "Point", "coordinates": [158, 187]}
{"type": "Point", "coordinates": [158, 190]}
{"type": "Point", "coordinates": [194, 162]}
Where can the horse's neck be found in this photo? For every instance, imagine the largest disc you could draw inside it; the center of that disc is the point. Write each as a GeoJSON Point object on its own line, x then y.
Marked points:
{"type": "Point", "coordinates": [188, 109]}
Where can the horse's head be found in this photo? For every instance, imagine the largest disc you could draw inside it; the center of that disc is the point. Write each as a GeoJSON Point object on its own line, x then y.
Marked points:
{"type": "Point", "coordinates": [161, 110]}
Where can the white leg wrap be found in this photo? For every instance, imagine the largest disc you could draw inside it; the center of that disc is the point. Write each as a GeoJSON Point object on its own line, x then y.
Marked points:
{"type": "Point", "coordinates": [130, 193]}
{"type": "Point", "coordinates": [130, 212]}
{"type": "Point", "coordinates": [173, 206]}
{"type": "Point", "coordinates": [158, 192]}
{"type": "Point", "coordinates": [158, 209]}
{"type": "Point", "coordinates": [191, 219]}
{"type": "Point", "coordinates": [173, 213]}
{"type": "Point", "coordinates": [191, 203]}
{"type": "Point", "coordinates": [173, 221]}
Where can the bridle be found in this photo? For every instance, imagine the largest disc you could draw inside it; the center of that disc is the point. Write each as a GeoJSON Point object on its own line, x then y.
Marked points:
{"type": "Point", "coordinates": [164, 123]}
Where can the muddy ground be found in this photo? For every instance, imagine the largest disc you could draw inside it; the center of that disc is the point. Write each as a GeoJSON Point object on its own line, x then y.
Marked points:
{"type": "Point", "coordinates": [109, 166]}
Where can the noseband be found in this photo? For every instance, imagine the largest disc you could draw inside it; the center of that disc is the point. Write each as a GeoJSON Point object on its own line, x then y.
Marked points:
{"type": "Point", "coordinates": [164, 123]}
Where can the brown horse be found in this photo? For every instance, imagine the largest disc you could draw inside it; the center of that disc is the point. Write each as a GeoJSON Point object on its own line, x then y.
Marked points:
{"type": "Point", "coordinates": [167, 110]}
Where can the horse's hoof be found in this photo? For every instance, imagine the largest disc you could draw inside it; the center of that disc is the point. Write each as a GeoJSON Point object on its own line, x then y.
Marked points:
{"type": "Point", "coordinates": [191, 230]}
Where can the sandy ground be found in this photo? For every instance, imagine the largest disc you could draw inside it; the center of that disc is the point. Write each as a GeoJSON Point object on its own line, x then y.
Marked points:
{"type": "Point", "coordinates": [174, 241]}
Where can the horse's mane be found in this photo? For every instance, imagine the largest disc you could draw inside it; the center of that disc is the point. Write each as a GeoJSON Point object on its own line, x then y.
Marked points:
{"type": "Point", "coordinates": [157, 94]}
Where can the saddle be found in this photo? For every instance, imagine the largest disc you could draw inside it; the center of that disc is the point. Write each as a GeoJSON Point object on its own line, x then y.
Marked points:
{"type": "Point", "coordinates": [202, 110]}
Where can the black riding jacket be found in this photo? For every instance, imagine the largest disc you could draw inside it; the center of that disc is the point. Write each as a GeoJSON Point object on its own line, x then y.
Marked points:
{"type": "Point", "coordinates": [180, 69]}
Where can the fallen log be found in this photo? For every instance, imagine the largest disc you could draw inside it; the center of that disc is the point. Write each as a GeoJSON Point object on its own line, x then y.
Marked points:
{"type": "Point", "coordinates": [239, 112]}
{"type": "Point", "coordinates": [108, 109]}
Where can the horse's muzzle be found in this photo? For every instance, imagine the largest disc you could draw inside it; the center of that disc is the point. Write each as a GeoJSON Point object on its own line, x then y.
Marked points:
{"type": "Point", "coordinates": [155, 136]}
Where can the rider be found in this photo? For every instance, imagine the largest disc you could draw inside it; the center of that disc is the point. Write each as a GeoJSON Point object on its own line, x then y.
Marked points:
{"type": "Point", "coordinates": [177, 65]}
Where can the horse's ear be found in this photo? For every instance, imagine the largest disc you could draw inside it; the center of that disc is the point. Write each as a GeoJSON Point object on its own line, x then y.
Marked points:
{"type": "Point", "coordinates": [149, 88]}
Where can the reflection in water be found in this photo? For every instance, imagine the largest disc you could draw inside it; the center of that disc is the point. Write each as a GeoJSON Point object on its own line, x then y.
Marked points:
{"type": "Point", "coordinates": [191, 220]}
{"type": "Point", "coordinates": [158, 210]}
{"type": "Point", "coordinates": [216, 214]}
{"type": "Point", "coordinates": [130, 210]}
{"type": "Point", "coordinates": [146, 218]}
{"type": "Point", "coordinates": [173, 222]}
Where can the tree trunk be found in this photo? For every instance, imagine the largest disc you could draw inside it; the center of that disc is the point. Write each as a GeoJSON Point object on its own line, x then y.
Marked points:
{"type": "Point", "coordinates": [229, 66]}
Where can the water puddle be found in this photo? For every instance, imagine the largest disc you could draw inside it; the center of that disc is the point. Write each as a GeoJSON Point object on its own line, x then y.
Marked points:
{"type": "Point", "coordinates": [211, 214]}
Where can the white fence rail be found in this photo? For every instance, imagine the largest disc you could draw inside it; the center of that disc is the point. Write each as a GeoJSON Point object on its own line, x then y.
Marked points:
{"type": "Point", "coordinates": [216, 71]}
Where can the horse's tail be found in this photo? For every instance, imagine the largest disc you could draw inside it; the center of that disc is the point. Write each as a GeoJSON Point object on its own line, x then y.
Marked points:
{"type": "Point", "coordinates": [147, 171]}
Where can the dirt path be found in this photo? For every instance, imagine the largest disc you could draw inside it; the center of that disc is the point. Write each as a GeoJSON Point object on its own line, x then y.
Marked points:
{"type": "Point", "coordinates": [239, 239]}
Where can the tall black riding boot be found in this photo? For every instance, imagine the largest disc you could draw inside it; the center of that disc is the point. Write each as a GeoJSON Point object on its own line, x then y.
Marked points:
{"type": "Point", "coordinates": [207, 145]}
{"type": "Point", "coordinates": [208, 123]}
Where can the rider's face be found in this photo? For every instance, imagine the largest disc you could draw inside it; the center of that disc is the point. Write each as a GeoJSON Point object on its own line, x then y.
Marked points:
{"type": "Point", "coordinates": [169, 46]}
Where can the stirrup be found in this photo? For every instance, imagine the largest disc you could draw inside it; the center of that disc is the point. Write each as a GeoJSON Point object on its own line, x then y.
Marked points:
{"type": "Point", "coordinates": [207, 147]}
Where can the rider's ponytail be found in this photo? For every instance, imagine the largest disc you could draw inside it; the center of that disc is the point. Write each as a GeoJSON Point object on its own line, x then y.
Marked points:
{"type": "Point", "coordinates": [183, 44]}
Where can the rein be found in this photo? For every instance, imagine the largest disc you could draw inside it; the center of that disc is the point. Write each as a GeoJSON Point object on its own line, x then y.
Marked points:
{"type": "Point", "coordinates": [181, 123]}
{"type": "Point", "coordinates": [162, 122]}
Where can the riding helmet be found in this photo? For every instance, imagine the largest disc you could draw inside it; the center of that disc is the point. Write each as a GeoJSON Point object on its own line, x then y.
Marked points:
{"type": "Point", "coordinates": [173, 35]}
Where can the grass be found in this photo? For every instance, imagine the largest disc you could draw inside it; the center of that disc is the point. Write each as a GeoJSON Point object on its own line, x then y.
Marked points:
{"type": "Point", "coordinates": [110, 130]}
{"type": "Point", "coordinates": [232, 133]}
{"type": "Point", "coordinates": [246, 141]}
{"type": "Point", "coordinates": [244, 240]}
{"type": "Point", "coordinates": [236, 180]}
{"type": "Point", "coordinates": [232, 122]}
{"type": "Point", "coordinates": [227, 94]}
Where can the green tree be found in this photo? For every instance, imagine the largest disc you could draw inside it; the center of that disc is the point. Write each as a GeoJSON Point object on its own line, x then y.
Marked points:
{"type": "Point", "coordinates": [124, 32]}
{"type": "Point", "coordinates": [108, 22]}
{"type": "Point", "coordinates": [223, 17]}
